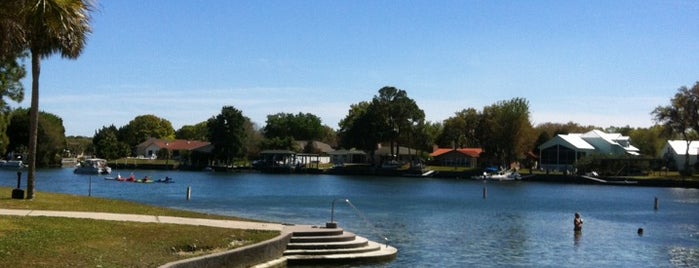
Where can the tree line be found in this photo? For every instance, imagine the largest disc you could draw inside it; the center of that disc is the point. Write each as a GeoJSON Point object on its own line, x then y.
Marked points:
{"type": "Point", "coordinates": [503, 130]}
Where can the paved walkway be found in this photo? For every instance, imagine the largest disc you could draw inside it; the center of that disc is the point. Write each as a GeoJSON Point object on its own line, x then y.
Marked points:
{"type": "Point", "coordinates": [232, 224]}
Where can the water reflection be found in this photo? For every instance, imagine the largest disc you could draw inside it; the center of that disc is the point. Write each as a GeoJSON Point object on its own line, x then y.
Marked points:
{"type": "Point", "coordinates": [577, 235]}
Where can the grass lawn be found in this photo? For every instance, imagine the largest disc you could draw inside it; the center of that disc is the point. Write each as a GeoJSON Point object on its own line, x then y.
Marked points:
{"type": "Point", "coordinates": [64, 242]}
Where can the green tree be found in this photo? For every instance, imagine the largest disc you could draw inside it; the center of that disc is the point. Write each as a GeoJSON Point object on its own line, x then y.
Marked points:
{"type": "Point", "coordinates": [51, 135]}
{"type": "Point", "coordinates": [253, 140]}
{"type": "Point", "coordinates": [300, 126]}
{"type": "Point", "coordinates": [329, 136]}
{"type": "Point", "coordinates": [391, 116]}
{"type": "Point", "coordinates": [11, 72]}
{"type": "Point", "coordinates": [227, 134]}
{"type": "Point", "coordinates": [358, 128]}
{"type": "Point", "coordinates": [283, 143]}
{"type": "Point", "coordinates": [681, 117]}
{"type": "Point", "coordinates": [77, 145]}
{"type": "Point", "coordinates": [396, 114]}
{"type": "Point", "coordinates": [143, 127]}
{"type": "Point", "coordinates": [196, 132]}
{"type": "Point", "coordinates": [460, 130]}
{"type": "Point", "coordinates": [12, 30]}
{"type": "Point", "coordinates": [649, 141]}
{"type": "Point", "coordinates": [625, 130]}
{"type": "Point", "coordinates": [43, 27]}
{"type": "Point", "coordinates": [432, 131]}
{"type": "Point", "coordinates": [505, 130]}
{"type": "Point", "coordinates": [107, 145]}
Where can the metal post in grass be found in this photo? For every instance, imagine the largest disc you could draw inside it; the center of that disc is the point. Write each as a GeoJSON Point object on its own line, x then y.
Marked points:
{"type": "Point", "coordinates": [18, 193]}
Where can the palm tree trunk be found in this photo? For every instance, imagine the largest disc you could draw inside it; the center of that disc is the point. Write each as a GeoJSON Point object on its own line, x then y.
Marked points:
{"type": "Point", "coordinates": [33, 124]}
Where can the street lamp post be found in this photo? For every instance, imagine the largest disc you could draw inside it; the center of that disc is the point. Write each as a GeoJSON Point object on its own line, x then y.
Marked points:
{"type": "Point", "coordinates": [332, 223]}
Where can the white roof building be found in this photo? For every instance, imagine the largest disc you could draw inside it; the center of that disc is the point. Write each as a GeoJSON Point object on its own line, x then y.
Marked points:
{"type": "Point", "coordinates": [562, 151]}
{"type": "Point", "coordinates": [675, 152]}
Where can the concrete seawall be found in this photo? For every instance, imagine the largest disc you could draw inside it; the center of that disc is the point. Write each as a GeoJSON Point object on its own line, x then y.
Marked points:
{"type": "Point", "coordinates": [240, 257]}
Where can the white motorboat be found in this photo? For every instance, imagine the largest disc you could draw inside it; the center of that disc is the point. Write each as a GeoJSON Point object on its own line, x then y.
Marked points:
{"type": "Point", "coordinates": [499, 175]}
{"type": "Point", "coordinates": [93, 166]}
{"type": "Point", "coordinates": [12, 164]}
{"type": "Point", "coordinates": [504, 176]}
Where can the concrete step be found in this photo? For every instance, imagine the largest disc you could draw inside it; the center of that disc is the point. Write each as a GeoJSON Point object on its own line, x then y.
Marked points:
{"type": "Point", "coordinates": [367, 248]}
{"type": "Point", "coordinates": [355, 243]}
{"type": "Point", "coordinates": [380, 253]}
{"type": "Point", "coordinates": [302, 230]}
{"type": "Point", "coordinates": [345, 236]}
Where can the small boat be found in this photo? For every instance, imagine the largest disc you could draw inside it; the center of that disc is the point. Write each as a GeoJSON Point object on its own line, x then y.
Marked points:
{"type": "Point", "coordinates": [93, 166]}
{"type": "Point", "coordinates": [165, 180]}
{"type": "Point", "coordinates": [498, 175]}
{"type": "Point", "coordinates": [505, 176]}
{"type": "Point", "coordinates": [130, 178]}
{"type": "Point", "coordinates": [144, 180]}
{"type": "Point", "coordinates": [12, 164]}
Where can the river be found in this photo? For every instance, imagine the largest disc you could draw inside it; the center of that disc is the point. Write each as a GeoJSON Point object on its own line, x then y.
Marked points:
{"type": "Point", "coordinates": [436, 222]}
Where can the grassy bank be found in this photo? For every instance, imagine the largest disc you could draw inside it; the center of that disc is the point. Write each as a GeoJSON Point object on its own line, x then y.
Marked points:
{"type": "Point", "coordinates": [63, 242]}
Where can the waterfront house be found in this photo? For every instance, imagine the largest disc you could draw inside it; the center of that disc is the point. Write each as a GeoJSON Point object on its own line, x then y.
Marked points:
{"type": "Point", "coordinates": [563, 150]}
{"type": "Point", "coordinates": [314, 152]}
{"type": "Point", "coordinates": [150, 147]}
{"type": "Point", "coordinates": [400, 155]}
{"type": "Point", "coordinates": [675, 151]}
{"type": "Point", "coordinates": [277, 161]}
{"type": "Point", "coordinates": [351, 156]}
{"type": "Point", "coordinates": [456, 157]}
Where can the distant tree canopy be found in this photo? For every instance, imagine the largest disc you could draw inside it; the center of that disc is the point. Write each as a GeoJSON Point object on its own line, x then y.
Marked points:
{"type": "Point", "coordinates": [196, 132]}
{"type": "Point", "coordinates": [107, 144]}
{"type": "Point", "coordinates": [144, 127]}
{"type": "Point", "coordinates": [357, 128]}
{"type": "Point", "coordinates": [51, 137]}
{"type": "Point", "coordinates": [227, 133]}
{"type": "Point", "coordinates": [649, 141]}
{"type": "Point", "coordinates": [460, 130]}
{"type": "Point", "coordinates": [506, 131]}
{"type": "Point", "coordinates": [77, 145]}
{"type": "Point", "coordinates": [299, 126]}
{"type": "Point", "coordinates": [390, 116]}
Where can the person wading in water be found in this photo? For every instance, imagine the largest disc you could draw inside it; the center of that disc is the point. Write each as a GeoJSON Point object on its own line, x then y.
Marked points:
{"type": "Point", "coordinates": [577, 223]}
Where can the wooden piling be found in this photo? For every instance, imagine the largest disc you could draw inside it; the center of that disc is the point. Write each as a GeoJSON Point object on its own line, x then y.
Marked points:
{"type": "Point", "coordinates": [656, 203]}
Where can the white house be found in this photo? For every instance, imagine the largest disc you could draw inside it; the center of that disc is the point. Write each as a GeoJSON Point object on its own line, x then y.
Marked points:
{"type": "Point", "coordinates": [562, 151]}
{"type": "Point", "coordinates": [351, 156]}
{"type": "Point", "coordinates": [675, 151]}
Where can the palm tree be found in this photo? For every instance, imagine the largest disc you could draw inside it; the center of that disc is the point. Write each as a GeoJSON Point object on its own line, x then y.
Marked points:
{"type": "Point", "coordinates": [49, 26]}
{"type": "Point", "coordinates": [11, 31]}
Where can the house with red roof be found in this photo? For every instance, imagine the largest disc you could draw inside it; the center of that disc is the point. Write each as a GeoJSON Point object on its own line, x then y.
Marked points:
{"type": "Point", "coordinates": [456, 157]}
{"type": "Point", "coordinates": [150, 147]}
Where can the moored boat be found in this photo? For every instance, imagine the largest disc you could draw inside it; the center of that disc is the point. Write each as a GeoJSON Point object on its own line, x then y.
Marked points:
{"type": "Point", "coordinates": [499, 175]}
{"type": "Point", "coordinates": [12, 164]}
{"type": "Point", "coordinates": [93, 166]}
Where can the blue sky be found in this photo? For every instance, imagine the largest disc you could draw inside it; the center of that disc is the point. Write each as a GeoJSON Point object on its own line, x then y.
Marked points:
{"type": "Point", "coordinates": [597, 63]}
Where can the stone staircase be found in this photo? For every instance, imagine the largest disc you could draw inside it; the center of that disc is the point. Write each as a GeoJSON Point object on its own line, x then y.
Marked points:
{"type": "Point", "coordinates": [312, 245]}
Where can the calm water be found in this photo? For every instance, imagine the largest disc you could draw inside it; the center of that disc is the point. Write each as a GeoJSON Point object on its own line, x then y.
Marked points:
{"type": "Point", "coordinates": [438, 222]}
